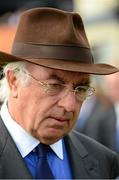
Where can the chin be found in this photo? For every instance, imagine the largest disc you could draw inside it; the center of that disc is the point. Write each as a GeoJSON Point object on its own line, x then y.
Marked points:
{"type": "Point", "coordinates": [50, 138]}
{"type": "Point", "coordinates": [49, 135]}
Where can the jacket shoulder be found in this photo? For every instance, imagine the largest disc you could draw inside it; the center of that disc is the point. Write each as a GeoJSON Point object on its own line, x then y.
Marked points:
{"type": "Point", "coordinates": [90, 144]}
{"type": "Point", "coordinates": [87, 147]}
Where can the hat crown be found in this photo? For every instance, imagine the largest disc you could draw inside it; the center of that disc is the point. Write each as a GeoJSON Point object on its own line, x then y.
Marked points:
{"type": "Point", "coordinates": [56, 39]}
{"type": "Point", "coordinates": [51, 26]}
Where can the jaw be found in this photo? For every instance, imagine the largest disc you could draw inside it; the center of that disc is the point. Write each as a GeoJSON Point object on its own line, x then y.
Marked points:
{"type": "Point", "coordinates": [49, 135]}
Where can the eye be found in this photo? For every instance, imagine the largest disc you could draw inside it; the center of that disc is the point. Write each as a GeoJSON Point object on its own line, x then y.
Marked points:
{"type": "Point", "coordinates": [81, 89]}
{"type": "Point", "coordinates": [55, 86]}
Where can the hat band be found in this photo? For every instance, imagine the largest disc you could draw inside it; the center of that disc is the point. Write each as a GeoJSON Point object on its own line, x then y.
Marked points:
{"type": "Point", "coordinates": [41, 51]}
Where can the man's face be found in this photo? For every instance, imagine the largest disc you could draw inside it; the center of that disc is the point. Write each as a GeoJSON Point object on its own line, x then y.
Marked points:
{"type": "Point", "coordinates": [46, 117]}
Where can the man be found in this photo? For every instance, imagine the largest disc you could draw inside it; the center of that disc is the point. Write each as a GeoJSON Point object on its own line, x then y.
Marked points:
{"type": "Point", "coordinates": [97, 120]}
{"type": "Point", "coordinates": [47, 76]}
{"type": "Point", "coordinates": [99, 115]}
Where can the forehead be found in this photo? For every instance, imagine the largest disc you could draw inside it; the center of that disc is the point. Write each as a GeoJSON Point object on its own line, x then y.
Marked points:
{"type": "Point", "coordinates": [47, 73]}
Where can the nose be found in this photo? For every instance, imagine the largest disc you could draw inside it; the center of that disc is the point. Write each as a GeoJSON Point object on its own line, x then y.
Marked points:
{"type": "Point", "coordinates": [68, 102]}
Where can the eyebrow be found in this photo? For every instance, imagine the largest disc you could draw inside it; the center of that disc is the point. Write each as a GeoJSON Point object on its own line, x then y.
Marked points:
{"type": "Point", "coordinates": [56, 77]}
{"type": "Point", "coordinates": [83, 82]}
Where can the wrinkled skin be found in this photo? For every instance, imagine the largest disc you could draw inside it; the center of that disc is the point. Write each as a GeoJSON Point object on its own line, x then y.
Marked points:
{"type": "Point", "coordinates": [48, 118]}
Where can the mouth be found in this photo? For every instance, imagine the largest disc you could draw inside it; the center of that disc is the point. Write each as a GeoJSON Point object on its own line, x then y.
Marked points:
{"type": "Point", "coordinates": [60, 119]}
{"type": "Point", "coordinates": [58, 122]}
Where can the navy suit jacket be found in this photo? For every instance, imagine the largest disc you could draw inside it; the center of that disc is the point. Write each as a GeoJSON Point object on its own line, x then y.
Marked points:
{"type": "Point", "coordinates": [88, 159]}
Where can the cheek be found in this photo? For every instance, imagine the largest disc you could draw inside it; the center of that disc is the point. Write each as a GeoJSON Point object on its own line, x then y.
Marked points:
{"type": "Point", "coordinates": [31, 104]}
{"type": "Point", "coordinates": [76, 114]}
{"type": "Point", "coordinates": [38, 112]}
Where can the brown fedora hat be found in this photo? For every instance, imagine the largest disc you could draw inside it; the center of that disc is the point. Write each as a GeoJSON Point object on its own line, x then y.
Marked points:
{"type": "Point", "coordinates": [56, 39]}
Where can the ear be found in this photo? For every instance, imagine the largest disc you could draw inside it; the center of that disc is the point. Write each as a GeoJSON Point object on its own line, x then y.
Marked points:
{"type": "Point", "coordinates": [12, 83]}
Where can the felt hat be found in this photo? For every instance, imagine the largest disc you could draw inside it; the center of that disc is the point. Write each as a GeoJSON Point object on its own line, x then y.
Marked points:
{"type": "Point", "coordinates": [54, 38]}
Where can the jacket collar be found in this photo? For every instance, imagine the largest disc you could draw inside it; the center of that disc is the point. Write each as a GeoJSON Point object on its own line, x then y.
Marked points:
{"type": "Point", "coordinates": [83, 163]}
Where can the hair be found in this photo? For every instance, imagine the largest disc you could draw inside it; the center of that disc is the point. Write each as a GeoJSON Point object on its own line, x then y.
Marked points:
{"type": "Point", "coordinates": [19, 68]}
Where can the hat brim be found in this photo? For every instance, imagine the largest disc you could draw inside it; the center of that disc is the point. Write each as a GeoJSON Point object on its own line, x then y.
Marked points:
{"type": "Point", "coordinates": [75, 66]}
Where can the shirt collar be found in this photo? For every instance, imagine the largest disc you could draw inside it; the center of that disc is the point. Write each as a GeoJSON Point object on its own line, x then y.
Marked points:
{"type": "Point", "coordinates": [23, 140]}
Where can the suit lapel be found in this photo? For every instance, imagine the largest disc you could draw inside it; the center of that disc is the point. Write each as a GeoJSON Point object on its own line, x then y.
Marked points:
{"type": "Point", "coordinates": [83, 165]}
{"type": "Point", "coordinates": [11, 163]}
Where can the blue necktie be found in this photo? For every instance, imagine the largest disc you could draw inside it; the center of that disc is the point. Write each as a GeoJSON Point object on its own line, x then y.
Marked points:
{"type": "Point", "coordinates": [43, 170]}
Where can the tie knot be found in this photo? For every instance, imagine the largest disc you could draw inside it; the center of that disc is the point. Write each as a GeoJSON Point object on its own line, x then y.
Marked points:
{"type": "Point", "coordinates": [42, 150]}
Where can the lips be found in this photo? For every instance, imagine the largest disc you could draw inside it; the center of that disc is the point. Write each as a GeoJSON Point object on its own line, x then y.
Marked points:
{"type": "Point", "coordinates": [62, 119]}
{"type": "Point", "coordinates": [58, 122]}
